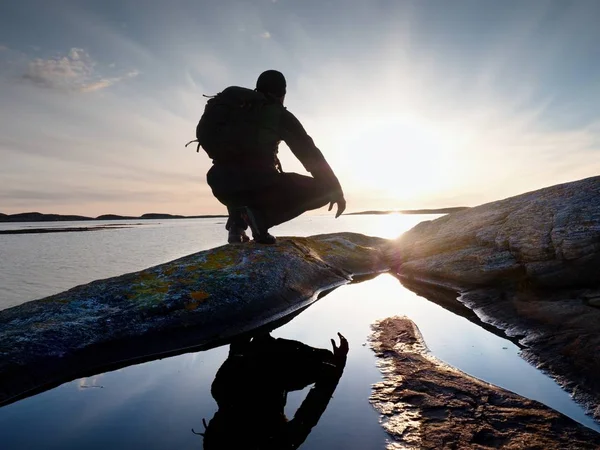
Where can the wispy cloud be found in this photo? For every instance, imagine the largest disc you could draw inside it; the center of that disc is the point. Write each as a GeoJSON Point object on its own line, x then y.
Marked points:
{"type": "Point", "coordinates": [3, 48]}
{"type": "Point", "coordinates": [265, 35]}
{"type": "Point", "coordinates": [106, 82]}
{"type": "Point", "coordinates": [67, 71]}
{"type": "Point", "coordinates": [74, 72]}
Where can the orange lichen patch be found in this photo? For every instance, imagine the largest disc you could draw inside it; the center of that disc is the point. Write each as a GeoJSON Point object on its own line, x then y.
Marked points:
{"type": "Point", "coordinates": [199, 295]}
{"type": "Point", "coordinates": [190, 306]}
{"type": "Point", "coordinates": [197, 298]}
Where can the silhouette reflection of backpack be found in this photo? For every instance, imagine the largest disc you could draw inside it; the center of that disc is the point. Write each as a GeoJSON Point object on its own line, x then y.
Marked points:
{"type": "Point", "coordinates": [238, 122]}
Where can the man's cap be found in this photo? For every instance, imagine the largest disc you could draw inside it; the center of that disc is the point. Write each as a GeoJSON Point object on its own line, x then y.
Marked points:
{"type": "Point", "coordinates": [271, 82]}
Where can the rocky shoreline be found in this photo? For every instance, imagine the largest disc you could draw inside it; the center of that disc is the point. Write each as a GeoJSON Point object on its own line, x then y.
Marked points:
{"type": "Point", "coordinates": [528, 265]}
{"type": "Point", "coordinates": [427, 404]}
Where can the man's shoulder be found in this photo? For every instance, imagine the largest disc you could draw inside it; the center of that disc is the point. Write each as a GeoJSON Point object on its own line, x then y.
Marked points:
{"type": "Point", "coordinates": [290, 122]}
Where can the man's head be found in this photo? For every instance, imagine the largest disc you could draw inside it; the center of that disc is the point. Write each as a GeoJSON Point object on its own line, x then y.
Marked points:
{"type": "Point", "coordinates": [272, 82]}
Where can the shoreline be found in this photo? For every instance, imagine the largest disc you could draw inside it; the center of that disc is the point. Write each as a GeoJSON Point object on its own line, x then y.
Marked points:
{"type": "Point", "coordinates": [63, 230]}
{"type": "Point", "coordinates": [39, 217]}
{"type": "Point", "coordinates": [34, 217]}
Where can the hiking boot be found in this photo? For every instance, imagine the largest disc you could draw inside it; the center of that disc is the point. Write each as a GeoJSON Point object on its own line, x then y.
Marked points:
{"type": "Point", "coordinates": [237, 236]}
{"type": "Point", "coordinates": [265, 238]}
{"type": "Point", "coordinates": [259, 229]}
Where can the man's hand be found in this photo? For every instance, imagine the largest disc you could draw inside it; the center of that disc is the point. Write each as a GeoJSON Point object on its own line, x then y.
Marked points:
{"type": "Point", "coordinates": [340, 353]}
{"type": "Point", "coordinates": [341, 206]}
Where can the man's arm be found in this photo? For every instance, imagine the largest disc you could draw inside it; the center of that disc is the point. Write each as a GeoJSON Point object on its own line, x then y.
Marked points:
{"type": "Point", "coordinates": [315, 403]}
{"type": "Point", "coordinates": [304, 148]}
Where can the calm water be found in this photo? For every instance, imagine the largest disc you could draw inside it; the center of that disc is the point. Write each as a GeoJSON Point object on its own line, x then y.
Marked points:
{"type": "Point", "coordinates": [155, 405]}
{"type": "Point", "coordinates": [33, 266]}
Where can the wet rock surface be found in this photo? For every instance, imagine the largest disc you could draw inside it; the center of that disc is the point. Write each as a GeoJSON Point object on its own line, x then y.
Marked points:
{"type": "Point", "coordinates": [196, 301]}
{"type": "Point", "coordinates": [528, 265]}
{"type": "Point", "coordinates": [428, 405]}
{"type": "Point", "coordinates": [559, 332]}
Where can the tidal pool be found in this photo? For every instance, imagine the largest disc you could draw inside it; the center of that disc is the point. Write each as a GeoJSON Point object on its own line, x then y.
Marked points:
{"type": "Point", "coordinates": [156, 405]}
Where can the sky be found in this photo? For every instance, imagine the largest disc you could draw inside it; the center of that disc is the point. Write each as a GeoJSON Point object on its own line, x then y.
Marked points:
{"type": "Point", "coordinates": [415, 104]}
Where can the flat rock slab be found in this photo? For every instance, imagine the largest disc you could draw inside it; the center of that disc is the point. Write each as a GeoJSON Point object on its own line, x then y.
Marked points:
{"type": "Point", "coordinates": [428, 405]}
{"type": "Point", "coordinates": [546, 238]}
{"type": "Point", "coordinates": [530, 266]}
{"type": "Point", "coordinates": [195, 301]}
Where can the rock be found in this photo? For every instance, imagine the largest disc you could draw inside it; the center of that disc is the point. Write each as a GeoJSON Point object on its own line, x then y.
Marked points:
{"type": "Point", "coordinates": [550, 237]}
{"type": "Point", "coordinates": [528, 265]}
{"type": "Point", "coordinates": [427, 404]}
{"type": "Point", "coordinates": [559, 330]}
{"type": "Point", "coordinates": [196, 301]}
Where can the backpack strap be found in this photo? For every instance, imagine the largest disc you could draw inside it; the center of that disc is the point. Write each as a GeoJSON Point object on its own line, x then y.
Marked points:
{"type": "Point", "coordinates": [197, 148]}
{"type": "Point", "coordinates": [196, 140]}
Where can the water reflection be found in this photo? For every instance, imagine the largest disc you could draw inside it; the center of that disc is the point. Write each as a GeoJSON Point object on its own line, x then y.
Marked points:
{"type": "Point", "coordinates": [251, 389]}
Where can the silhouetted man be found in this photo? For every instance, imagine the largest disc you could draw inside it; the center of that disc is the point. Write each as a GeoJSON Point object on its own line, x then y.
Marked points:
{"type": "Point", "coordinates": [251, 391]}
{"type": "Point", "coordinates": [241, 130]}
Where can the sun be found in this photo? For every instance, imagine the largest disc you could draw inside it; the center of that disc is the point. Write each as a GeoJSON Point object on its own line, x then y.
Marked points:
{"type": "Point", "coordinates": [400, 157]}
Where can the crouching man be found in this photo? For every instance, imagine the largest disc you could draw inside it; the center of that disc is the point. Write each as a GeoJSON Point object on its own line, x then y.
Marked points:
{"type": "Point", "coordinates": [241, 130]}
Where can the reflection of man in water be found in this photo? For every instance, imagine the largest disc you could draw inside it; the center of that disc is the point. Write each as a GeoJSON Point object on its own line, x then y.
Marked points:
{"type": "Point", "coordinates": [251, 391]}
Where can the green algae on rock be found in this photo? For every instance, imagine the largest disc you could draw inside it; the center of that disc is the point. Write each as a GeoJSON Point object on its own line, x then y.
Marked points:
{"type": "Point", "coordinates": [195, 301]}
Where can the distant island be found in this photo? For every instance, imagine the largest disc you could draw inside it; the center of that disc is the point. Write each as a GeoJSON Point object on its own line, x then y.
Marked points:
{"type": "Point", "coordinates": [412, 211]}
{"type": "Point", "coordinates": [39, 217]}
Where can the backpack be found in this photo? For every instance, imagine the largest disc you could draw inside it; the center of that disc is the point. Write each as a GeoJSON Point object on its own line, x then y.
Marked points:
{"type": "Point", "coordinates": [238, 122]}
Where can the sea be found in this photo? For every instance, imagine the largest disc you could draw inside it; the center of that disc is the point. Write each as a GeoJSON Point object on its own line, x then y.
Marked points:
{"type": "Point", "coordinates": [163, 403]}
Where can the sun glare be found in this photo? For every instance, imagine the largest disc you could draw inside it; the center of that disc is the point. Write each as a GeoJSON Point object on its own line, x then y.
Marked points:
{"type": "Point", "coordinates": [399, 157]}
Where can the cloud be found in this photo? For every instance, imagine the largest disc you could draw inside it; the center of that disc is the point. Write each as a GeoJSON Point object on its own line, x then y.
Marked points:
{"type": "Point", "coordinates": [3, 48]}
{"type": "Point", "coordinates": [75, 72]}
{"type": "Point", "coordinates": [61, 72]}
{"type": "Point", "coordinates": [265, 35]}
{"type": "Point", "coordinates": [106, 82]}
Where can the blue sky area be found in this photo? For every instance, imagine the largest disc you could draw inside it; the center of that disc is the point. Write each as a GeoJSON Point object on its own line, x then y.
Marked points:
{"type": "Point", "coordinates": [414, 103]}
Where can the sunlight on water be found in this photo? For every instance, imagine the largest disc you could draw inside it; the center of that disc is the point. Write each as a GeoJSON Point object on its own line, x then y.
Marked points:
{"type": "Point", "coordinates": [451, 338]}
{"type": "Point", "coordinates": [389, 226]}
